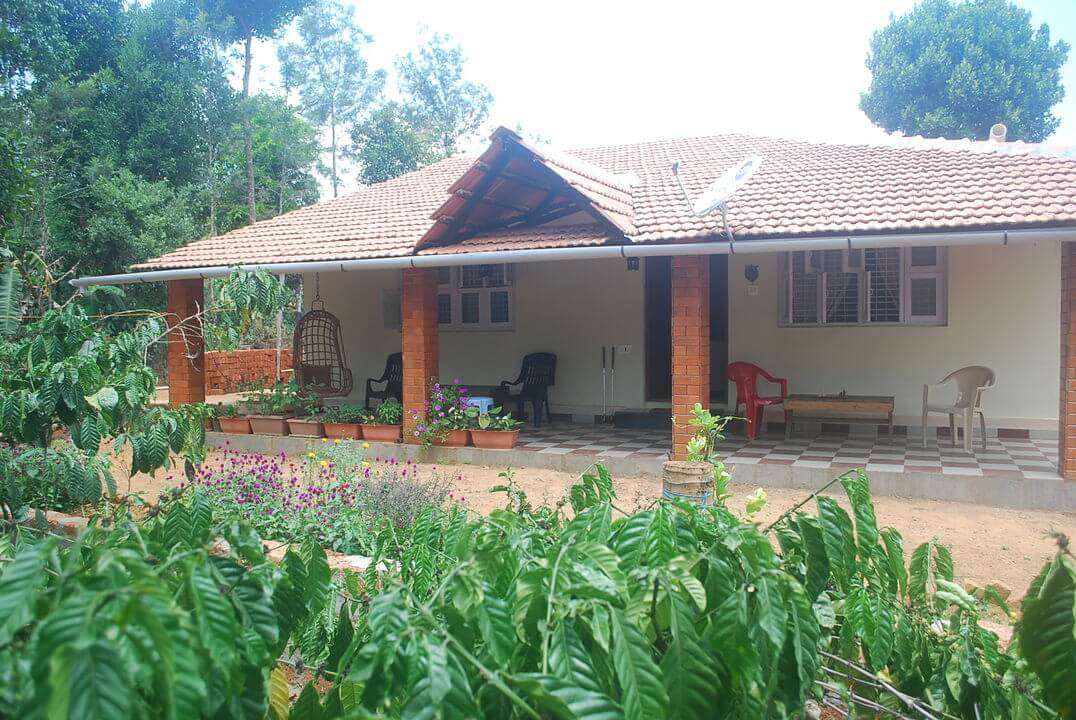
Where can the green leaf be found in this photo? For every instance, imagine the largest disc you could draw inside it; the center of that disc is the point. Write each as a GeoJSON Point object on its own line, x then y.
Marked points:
{"type": "Point", "coordinates": [814, 544]}
{"type": "Point", "coordinates": [1047, 633]}
{"type": "Point", "coordinates": [89, 681]}
{"type": "Point", "coordinates": [839, 540]}
{"type": "Point", "coordinates": [11, 293]}
{"type": "Point", "coordinates": [308, 705]}
{"type": "Point", "coordinates": [20, 586]}
{"type": "Point", "coordinates": [555, 697]}
{"type": "Point", "coordinates": [687, 670]}
{"type": "Point", "coordinates": [214, 616]}
{"type": "Point", "coordinates": [642, 692]}
{"type": "Point", "coordinates": [770, 608]}
{"type": "Point", "coordinates": [569, 660]}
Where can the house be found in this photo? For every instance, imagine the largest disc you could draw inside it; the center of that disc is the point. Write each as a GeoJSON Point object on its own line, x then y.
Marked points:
{"type": "Point", "coordinates": [864, 269]}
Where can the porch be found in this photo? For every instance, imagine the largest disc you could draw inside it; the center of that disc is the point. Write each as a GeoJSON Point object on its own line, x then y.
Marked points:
{"type": "Point", "coordinates": [679, 321]}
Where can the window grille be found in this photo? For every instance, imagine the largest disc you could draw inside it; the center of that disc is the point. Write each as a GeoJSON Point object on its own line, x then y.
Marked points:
{"type": "Point", "coordinates": [803, 295]}
{"type": "Point", "coordinates": [444, 309]}
{"type": "Point", "coordinates": [842, 289]}
{"type": "Point", "coordinates": [883, 268]}
{"type": "Point", "coordinates": [890, 286]}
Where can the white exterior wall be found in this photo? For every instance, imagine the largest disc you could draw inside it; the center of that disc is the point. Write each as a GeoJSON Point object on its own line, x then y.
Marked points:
{"type": "Point", "coordinates": [1003, 312]}
{"type": "Point", "coordinates": [567, 308]}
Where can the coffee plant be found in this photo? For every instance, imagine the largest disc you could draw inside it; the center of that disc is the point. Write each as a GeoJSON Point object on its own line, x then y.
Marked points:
{"type": "Point", "coordinates": [80, 370]}
{"type": "Point", "coordinates": [562, 612]}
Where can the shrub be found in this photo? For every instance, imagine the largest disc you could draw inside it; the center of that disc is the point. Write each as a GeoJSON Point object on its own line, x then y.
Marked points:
{"type": "Point", "coordinates": [389, 412]}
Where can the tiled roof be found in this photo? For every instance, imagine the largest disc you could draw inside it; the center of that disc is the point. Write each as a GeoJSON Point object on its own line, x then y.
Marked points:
{"type": "Point", "coordinates": [548, 236]}
{"type": "Point", "coordinates": [802, 189]}
{"type": "Point", "coordinates": [382, 220]}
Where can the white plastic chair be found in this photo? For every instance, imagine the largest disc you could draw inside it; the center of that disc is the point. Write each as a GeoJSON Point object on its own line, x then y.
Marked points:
{"type": "Point", "coordinates": [971, 382]}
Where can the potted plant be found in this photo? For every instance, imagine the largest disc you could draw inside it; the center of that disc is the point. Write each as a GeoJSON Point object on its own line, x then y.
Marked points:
{"type": "Point", "coordinates": [272, 407]}
{"type": "Point", "coordinates": [385, 424]}
{"type": "Point", "coordinates": [495, 431]}
{"type": "Point", "coordinates": [344, 421]}
{"type": "Point", "coordinates": [205, 412]}
{"type": "Point", "coordinates": [309, 424]}
{"type": "Point", "coordinates": [448, 419]}
{"type": "Point", "coordinates": [231, 421]}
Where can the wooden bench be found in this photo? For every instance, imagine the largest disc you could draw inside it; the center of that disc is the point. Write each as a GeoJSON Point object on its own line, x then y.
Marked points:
{"type": "Point", "coordinates": [850, 409]}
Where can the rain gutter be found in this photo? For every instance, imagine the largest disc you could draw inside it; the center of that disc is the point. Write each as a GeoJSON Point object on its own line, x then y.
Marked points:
{"type": "Point", "coordinates": [719, 247]}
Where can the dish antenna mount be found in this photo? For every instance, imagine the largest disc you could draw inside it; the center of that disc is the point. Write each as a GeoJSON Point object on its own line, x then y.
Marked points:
{"type": "Point", "coordinates": [716, 196]}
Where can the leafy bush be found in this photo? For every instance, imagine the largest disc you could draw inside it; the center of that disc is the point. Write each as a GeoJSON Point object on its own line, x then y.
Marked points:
{"type": "Point", "coordinates": [279, 399]}
{"type": "Point", "coordinates": [55, 478]}
{"type": "Point", "coordinates": [562, 612]}
{"type": "Point", "coordinates": [151, 619]}
{"type": "Point", "coordinates": [346, 414]}
{"type": "Point", "coordinates": [494, 419]}
{"type": "Point", "coordinates": [389, 412]}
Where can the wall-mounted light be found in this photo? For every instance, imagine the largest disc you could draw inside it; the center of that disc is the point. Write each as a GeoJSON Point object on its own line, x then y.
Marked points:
{"type": "Point", "coordinates": [633, 264]}
{"type": "Point", "coordinates": [750, 272]}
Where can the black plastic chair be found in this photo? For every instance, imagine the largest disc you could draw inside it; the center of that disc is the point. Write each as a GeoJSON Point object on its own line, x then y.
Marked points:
{"type": "Point", "coordinates": [538, 373]}
{"type": "Point", "coordinates": [392, 378]}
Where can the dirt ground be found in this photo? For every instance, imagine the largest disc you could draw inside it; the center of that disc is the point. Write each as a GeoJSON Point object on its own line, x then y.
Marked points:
{"type": "Point", "coordinates": [989, 544]}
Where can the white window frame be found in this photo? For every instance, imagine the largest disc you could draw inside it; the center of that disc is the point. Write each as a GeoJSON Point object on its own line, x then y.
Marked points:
{"type": "Point", "coordinates": [455, 290]}
{"type": "Point", "coordinates": [938, 272]}
{"type": "Point", "coordinates": [392, 304]}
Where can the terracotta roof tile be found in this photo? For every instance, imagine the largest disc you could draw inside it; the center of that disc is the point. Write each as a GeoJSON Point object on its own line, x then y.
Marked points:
{"type": "Point", "coordinates": [548, 236]}
{"type": "Point", "coordinates": [802, 189]}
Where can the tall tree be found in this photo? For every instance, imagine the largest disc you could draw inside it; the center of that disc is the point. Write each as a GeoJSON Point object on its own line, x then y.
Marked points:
{"type": "Point", "coordinates": [387, 144]}
{"type": "Point", "coordinates": [441, 99]}
{"type": "Point", "coordinates": [254, 19]}
{"type": "Point", "coordinates": [952, 70]}
{"type": "Point", "coordinates": [326, 65]}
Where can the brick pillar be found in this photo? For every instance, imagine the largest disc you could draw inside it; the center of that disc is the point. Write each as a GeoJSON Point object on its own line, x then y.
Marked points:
{"type": "Point", "coordinates": [186, 346]}
{"type": "Point", "coordinates": [690, 343]}
{"type": "Point", "coordinates": [1067, 411]}
{"type": "Point", "coordinates": [420, 343]}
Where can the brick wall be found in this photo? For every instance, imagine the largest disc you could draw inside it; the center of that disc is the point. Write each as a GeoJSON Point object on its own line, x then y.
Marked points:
{"type": "Point", "coordinates": [1067, 412]}
{"type": "Point", "coordinates": [690, 343]}
{"type": "Point", "coordinates": [186, 346]}
{"type": "Point", "coordinates": [226, 370]}
{"type": "Point", "coordinates": [420, 342]}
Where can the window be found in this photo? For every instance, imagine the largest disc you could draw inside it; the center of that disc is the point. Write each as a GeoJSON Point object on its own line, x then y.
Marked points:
{"type": "Point", "coordinates": [472, 297]}
{"type": "Point", "coordinates": [869, 286]}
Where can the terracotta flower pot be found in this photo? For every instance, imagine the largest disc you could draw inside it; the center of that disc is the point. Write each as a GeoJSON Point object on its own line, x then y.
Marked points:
{"type": "Point", "coordinates": [268, 424]}
{"type": "Point", "coordinates": [495, 439]}
{"type": "Point", "coordinates": [343, 431]}
{"type": "Point", "coordinates": [381, 433]}
{"type": "Point", "coordinates": [306, 427]}
{"type": "Point", "coordinates": [235, 425]}
{"type": "Point", "coordinates": [454, 438]}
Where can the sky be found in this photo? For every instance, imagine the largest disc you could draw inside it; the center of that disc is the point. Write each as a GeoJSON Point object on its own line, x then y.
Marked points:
{"type": "Point", "coordinates": [588, 72]}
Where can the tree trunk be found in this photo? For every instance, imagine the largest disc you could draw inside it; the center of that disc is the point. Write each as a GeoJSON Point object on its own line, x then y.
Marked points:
{"type": "Point", "coordinates": [332, 136]}
{"type": "Point", "coordinates": [248, 132]}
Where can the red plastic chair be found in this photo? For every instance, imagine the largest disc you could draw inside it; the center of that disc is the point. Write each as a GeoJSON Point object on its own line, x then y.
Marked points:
{"type": "Point", "coordinates": [746, 375]}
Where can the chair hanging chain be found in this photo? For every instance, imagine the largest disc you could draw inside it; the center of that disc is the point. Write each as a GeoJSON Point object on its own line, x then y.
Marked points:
{"type": "Point", "coordinates": [317, 292]}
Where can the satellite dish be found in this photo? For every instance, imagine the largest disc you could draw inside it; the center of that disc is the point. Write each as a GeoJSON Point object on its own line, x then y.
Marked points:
{"type": "Point", "coordinates": [716, 196]}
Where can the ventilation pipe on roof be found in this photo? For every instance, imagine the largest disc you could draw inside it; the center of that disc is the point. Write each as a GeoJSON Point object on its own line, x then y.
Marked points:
{"type": "Point", "coordinates": [999, 133]}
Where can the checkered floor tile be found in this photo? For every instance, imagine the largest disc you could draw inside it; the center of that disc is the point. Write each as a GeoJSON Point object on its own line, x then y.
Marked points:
{"type": "Point", "coordinates": [1003, 457]}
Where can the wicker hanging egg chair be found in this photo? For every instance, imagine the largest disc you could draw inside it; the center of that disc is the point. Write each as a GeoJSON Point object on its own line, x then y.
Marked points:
{"type": "Point", "coordinates": [318, 352]}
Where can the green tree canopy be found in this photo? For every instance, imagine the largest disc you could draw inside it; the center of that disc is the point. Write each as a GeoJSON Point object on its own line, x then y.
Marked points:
{"type": "Point", "coordinates": [439, 97]}
{"type": "Point", "coordinates": [952, 70]}
{"type": "Point", "coordinates": [387, 144]}
{"type": "Point", "coordinates": [327, 67]}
